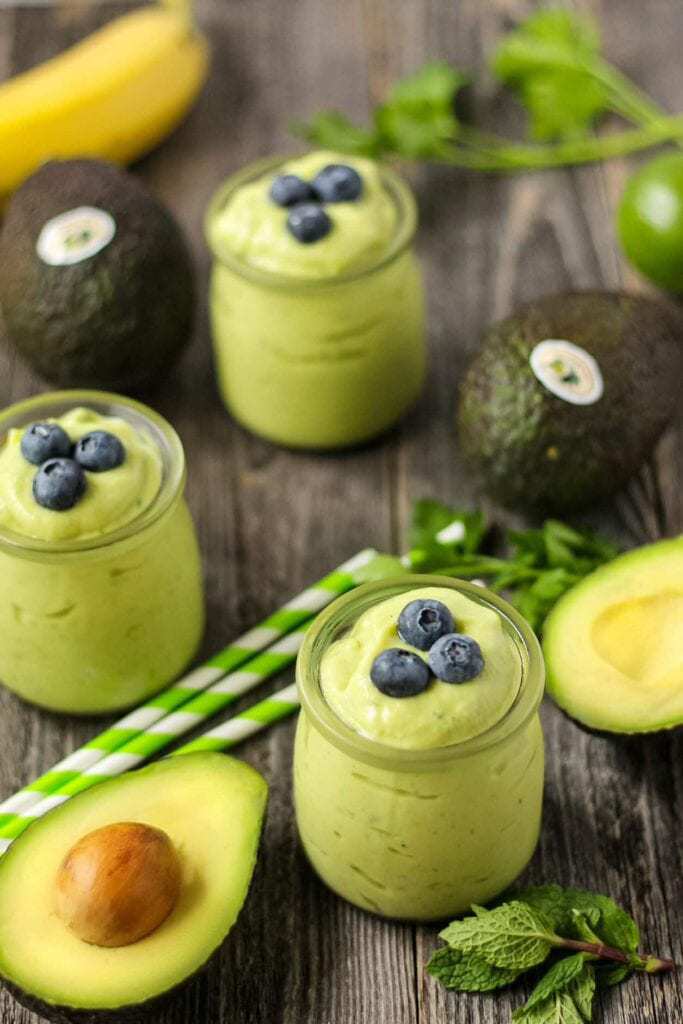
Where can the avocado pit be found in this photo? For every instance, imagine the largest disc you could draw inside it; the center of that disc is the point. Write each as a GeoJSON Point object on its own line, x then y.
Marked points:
{"type": "Point", "coordinates": [118, 884]}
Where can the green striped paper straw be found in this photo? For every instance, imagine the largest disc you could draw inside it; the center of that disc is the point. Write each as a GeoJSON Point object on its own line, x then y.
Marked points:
{"type": "Point", "coordinates": [159, 736]}
{"type": "Point", "coordinates": [247, 723]}
{"type": "Point", "coordinates": [187, 691]}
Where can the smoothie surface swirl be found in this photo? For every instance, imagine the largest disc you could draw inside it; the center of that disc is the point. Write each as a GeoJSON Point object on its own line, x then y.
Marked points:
{"type": "Point", "coordinates": [111, 500]}
{"type": "Point", "coordinates": [253, 228]}
{"type": "Point", "coordinates": [445, 713]}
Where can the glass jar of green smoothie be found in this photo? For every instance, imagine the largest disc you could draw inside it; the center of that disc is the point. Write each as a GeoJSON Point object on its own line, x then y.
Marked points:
{"type": "Point", "coordinates": [319, 342]}
{"type": "Point", "coordinates": [416, 807]}
{"type": "Point", "coordinates": [101, 599]}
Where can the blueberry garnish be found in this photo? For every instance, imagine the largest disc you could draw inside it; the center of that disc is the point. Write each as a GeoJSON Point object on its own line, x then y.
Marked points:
{"type": "Point", "coordinates": [99, 451]}
{"type": "Point", "coordinates": [58, 484]}
{"type": "Point", "coordinates": [337, 183]}
{"type": "Point", "coordinates": [399, 673]}
{"type": "Point", "coordinates": [308, 222]}
{"type": "Point", "coordinates": [422, 622]}
{"type": "Point", "coordinates": [456, 658]}
{"type": "Point", "coordinates": [43, 441]}
{"type": "Point", "coordinates": [288, 189]}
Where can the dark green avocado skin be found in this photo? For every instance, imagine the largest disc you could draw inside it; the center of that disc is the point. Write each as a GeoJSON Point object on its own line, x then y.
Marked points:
{"type": "Point", "coordinates": [535, 451]}
{"type": "Point", "coordinates": [118, 319]}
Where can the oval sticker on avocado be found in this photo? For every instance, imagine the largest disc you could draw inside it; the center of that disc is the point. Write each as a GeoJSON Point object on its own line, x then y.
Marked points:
{"type": "Point", "coordinates": [567, 370]}
{"type": "Point", "coordinates": [75, 235]}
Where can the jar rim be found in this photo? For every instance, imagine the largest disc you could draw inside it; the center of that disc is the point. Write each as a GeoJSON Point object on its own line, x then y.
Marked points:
{"type": "Point", "coordinates": [381, 755]}
{"type": "Point", "coordinates": [54, 404]}
{"type": "Point", "coordinates": [397, 188]}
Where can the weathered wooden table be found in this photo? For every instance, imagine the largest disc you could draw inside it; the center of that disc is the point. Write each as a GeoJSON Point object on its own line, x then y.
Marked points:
{"type": "Point", "coordinates": [270, 521]}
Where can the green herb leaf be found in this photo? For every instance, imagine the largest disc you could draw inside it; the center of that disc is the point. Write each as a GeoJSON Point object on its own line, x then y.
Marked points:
{"type": "Point", "coordinates": [544, 563]}
{"type": "Point", "coordinates": [558, 1009]}
{"type": "Point", "coordinates": [571, 1004]}
{"type": "Point", "coordinates": [609, 976]}
{"type": "Point", "coordinates": [511, 936]}
{"type": "Point", "coordinates": [612, 924]}
{"type": "Point", "coordinates": [331, 130]}
{"type": "Point", "coordinates": [418, 119]}
{"type": "Point", "coordinates": [429, 549]}
{"type": "Point", "coordinates": [582, 991]}
{"type": "Point", "coordinates": [559, 977]}
{"type": "Point", "coordinates": [456, 970]}
{"type": "Point", "coordinates": [551, 61]}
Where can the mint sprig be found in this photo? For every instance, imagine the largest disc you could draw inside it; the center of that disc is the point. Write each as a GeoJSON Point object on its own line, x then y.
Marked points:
{"type": "Point", "coordinates": [541, 566]}
{"type": "Point", "coordinates": [595, 939]}
{"type": "Point", "coordinates": [553, 63]}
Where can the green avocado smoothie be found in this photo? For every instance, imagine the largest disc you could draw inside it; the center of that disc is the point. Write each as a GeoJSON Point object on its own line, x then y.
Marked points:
{"type": "Point", "coordinates": [418, 806]}
{"type": "Point", "coordinates": [111, 499]}
{"type": "Point", "coordinates": [100, 586]}
{"type": "Point", "coordinates": [318, 323]}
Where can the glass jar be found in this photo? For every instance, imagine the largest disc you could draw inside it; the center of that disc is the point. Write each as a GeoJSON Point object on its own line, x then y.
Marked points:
{"type": "Point", "coordinates": [319, 363]}
{"type": "Point", "coordinates": [418, 834]}
{"type": "Point", "coordinates": [93, 625]}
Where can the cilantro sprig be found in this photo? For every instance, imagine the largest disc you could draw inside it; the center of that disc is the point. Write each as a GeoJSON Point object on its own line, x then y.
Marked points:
{"type": "Point", "coordinates": [541, 566]}
{"type": "Point", "coordinates": [592, 940]}
{"type": "Point", "coordinates": [553, 63]}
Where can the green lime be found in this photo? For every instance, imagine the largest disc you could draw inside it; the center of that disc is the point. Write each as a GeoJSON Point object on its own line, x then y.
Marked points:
{"type": "Point", "coordinates": [650, 221]}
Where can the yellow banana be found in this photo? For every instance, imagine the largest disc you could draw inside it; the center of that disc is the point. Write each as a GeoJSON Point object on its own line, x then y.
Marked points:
{"type": "Point", "coordinates": [115, 95]}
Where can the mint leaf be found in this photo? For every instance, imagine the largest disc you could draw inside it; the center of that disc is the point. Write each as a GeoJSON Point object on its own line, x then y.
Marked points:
{"type": "Point", "coordinates": [559, 977]}
{"type": "Point", "coordinates": [571, 1004]}
{"type": "Point", "coordinates": [609, 976]}
{"type": "Point", "coordinates": [418, 119]}
{"type": "Point", "coordinates": [512, 936]}
{"type": "Point", "coordinates": [582, 991]}
{"type": "Point", "coordinates": [551, 60]}
{"type": "Point", "coordinates": [456, 970]}
{"type": "Point", "coordinates": [612, 924]}
{"type": "Point", "coordinates": [558, 1009]}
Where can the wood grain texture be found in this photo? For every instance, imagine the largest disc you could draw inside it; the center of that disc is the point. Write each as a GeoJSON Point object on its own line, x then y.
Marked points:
{"type": "Point", "coordinates": [271, 521]}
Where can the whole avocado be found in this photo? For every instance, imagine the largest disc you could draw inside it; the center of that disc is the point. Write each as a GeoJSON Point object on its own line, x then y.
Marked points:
{"type": "Point", "coordinates": [537, 450]}
{"type": "Point", "coordinates": [97, 286]}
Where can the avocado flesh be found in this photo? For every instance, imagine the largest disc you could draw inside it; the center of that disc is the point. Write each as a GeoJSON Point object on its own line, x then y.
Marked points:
{"type": "Point", "coordinates": [211, 806]}
{"type": "Point", "coordinates": [613, 644]}
{"type": "Point", "coordinates": [118, 319]}
{"type": "Point", "coordinates": [534, 450]}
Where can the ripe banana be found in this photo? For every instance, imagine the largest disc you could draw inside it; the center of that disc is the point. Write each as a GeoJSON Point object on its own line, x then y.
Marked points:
{"type": "Point", "coordinates": [114, 95]}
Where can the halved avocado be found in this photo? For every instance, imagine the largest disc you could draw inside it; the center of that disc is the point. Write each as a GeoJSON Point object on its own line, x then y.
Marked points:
{"type": "Point", "coordinates": [613, 644]}
{"type": "Point", "coordinates": [211, 807]}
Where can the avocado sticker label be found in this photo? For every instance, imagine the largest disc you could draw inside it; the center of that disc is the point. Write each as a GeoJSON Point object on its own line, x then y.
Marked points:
{"type": "Point", "coordinates": [567, 370]}
{"type": "Point", "coordinates": [75, 235]}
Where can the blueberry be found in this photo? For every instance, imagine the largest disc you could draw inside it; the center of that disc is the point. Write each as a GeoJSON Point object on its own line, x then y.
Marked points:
{"type": "Point", "coordinates": [422, 622]}
{"type": "Point", "coordinates": [99, 451]}
{"type": "Point", "coordinates": [288, 189]}
{"type": "Point", "coordinates": [58, 484]}
{"type": "Point", "coordinates": [456, 658]}
{"type": "Point", "coordinates": [308, 222]}
{"type": "Point", "coordinates": [399, 673]}
{"type": "Point", "coordinates": [43, 441]}
{"type": "Point", "coordinates": [337, 183]}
